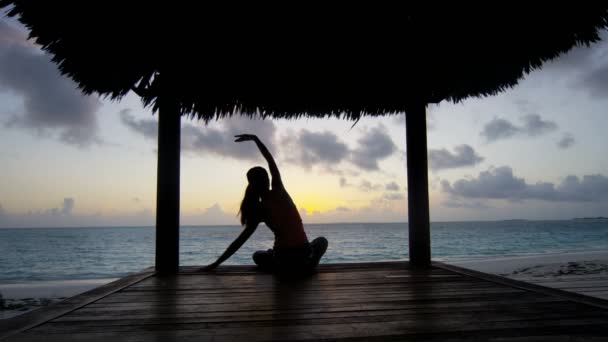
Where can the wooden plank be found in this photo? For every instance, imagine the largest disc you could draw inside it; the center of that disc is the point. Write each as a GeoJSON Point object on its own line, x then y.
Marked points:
{"type": "Point", "coordinates": [177, 300]}
{"type": "Point", "coordinates": [498, 300]}
{"type": "Point", "coordinates": [215, 281]}
{"type": "Point", "coordinates": [29, 320]}
{"type": "Point", "coordinates": [200, 314]}
{"type": "Point", "coordinates": [502, 304]}
{"type": "Point", "coordinates": [333, 328]}
{"type": "Point", "coordinates": [591, 332]}
{"type": "Point", "coordinates": [333, 267]}
{"type": "Point", "coordinates": [312, 319]}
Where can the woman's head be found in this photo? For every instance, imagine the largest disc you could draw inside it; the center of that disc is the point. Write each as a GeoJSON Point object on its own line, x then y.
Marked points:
{"type": "Point", "coordinates": [258, 178]}
{"type": "Point", "coordinates": [259, 184]}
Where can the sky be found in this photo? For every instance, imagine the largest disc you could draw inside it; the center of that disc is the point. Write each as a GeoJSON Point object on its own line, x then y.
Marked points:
{"type": "Point", "coordinates": [536, 151]}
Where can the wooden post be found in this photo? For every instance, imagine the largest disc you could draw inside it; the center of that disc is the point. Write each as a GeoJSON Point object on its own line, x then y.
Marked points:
{"type": "Point", "coordinates": [167, 188]}
{"type": "Point", "coordinates": [418, 186]}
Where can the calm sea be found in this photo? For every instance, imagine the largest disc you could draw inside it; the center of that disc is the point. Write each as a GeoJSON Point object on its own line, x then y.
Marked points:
{"type": "Point", "coordinates": [85, 253]}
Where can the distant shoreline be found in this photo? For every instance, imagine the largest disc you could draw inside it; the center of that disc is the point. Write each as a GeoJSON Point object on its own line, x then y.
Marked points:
{"type": "Point", "coordinates": [598, 218]}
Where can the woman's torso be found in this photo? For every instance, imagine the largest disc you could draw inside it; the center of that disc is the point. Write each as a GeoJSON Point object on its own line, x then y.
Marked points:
{"type": "Point", "coordinates": [282, 217]}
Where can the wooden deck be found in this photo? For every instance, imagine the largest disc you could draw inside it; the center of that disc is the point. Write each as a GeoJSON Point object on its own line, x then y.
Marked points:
{"type": "Point", "coordinates": [372, 301]}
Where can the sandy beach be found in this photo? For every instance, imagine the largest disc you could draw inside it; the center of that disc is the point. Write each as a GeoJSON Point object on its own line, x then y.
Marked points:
{"type": "Point", "coordinates": [19, 298]}
{"type": "Point", "coordinates": [585, 273]}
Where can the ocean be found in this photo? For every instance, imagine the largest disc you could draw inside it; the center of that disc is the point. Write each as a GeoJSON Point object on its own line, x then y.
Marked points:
{"type": "Point", "coordinates": [42, 254]}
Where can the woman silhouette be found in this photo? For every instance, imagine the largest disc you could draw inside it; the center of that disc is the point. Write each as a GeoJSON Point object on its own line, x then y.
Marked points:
{"type": "Point", "coordinates": [292, 252]}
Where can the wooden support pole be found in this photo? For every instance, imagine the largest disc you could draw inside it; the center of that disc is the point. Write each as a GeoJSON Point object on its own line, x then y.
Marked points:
{"type": "Point", "coordinates": [167, 189]}
{"type": "Point", "coordinates": [418, 187]}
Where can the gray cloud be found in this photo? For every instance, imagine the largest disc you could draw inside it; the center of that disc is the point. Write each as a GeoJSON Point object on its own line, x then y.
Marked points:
{"type": "Point", "coordinates": [367, 186]}
{"type": "Point", "coordinates": [595, 81]}
{"type": "Point", "coordinates": [464, 155]}
{"type": "Point", "coordinates": [587, 67]}
{"type": "Point", "coordinates": [310, 148]}
{"type": "Point", "coordinates": [218, 141]}
{"type": "Point", "coordinates": [500, 183]}
{"type": "Point", "coordinates": [374, 146]}
{"type": "Point", "coordinates": [498, 129]}
{"type": "Point", "coordinates": [392, 186]}
{"type": "Point", "coordinates": [533, 125]}
{"type": "Point", "coordinates": [343, 209]}
{"type": "Point", "coordinates": [566, 141]}
{"type": "Point", "coordinates": [52, 105]}
{"type": "Point", "coordinates": [394, 197]}
{"type": "Point", "coordinates": [146, 127]}
{"type": "Point", "coordinates": [221, 141]}
{"type": "Point", "coordinates": [343, 182]}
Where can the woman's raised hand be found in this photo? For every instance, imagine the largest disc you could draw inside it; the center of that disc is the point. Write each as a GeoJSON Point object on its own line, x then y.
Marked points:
{"type": "Point", "coordinates": [245, 137]}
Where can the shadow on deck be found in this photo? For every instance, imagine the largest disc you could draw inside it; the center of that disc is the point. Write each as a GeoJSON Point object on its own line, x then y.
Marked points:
{"type": "Point", "coordinates": [366, 301]}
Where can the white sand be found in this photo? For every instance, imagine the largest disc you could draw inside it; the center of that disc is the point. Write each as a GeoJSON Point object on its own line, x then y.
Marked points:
{"type": "Point", "coordinates": [583, 273]}
{"type": "Point", "coordinates": [507, 266]}
{"type": "Point", "coordinates": [51, 289]}
{"type": "Point", "coordinates": [24, 297]}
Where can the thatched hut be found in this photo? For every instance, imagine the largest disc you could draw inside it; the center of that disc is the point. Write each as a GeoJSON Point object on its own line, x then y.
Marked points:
{"type": "Point", "coordinates": [210, 63]}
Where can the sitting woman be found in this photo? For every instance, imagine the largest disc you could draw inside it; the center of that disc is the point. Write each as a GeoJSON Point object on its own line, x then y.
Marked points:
{"type": "Point", "coordinates": [292, 252]}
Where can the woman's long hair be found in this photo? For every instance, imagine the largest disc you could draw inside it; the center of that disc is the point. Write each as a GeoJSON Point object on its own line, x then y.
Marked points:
{"type": "Point", "coordinates": [251, 206]}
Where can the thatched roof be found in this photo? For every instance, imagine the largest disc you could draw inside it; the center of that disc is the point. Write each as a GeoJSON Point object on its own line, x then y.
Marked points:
{"type": "Point", "coordinates": [287, 63]}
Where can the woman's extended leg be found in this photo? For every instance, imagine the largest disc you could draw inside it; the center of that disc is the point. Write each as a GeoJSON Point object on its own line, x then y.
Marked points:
{"type": "Point", "coordinates": [319, 246]}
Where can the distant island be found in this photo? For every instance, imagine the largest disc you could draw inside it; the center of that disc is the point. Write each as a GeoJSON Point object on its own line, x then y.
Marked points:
{"type": "Point", "coordinates": [590, 218]}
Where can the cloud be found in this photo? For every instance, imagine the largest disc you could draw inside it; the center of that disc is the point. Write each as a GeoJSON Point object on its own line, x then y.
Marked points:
{"type": "Point", "coordinates": [10, 35]}
{"type": "Point", "coordinates": [498, 129]}
{"type": "Point", "coordinates": [68, 206]}
{"type": "Point", "coordinates": [52, 105]}
{"type": "Point", "coordinates": [500, 183]}
{"type": "Point", "coordinates": [59, 216]}
{"type": "Point", "coordinates": [566, 141]}
{"type": "Point", "coordinates": [533, 125]}
{"type": "Point", "coordinates": [213, 215]}
{"type": "Point", "coordinates": [344, 182]}
{"type": "Point", "coordinates": [456, 203]}
{"type": "Point", "coordinates": [394, 197]}
{"type": "Point", "coordinates": [146, 127]}
{"type": "Point", "coordinates": [464, 155]}
{"type": "Point", "coordinates": [311, 148]}
{"type": "Point", "coordinates": [374, 146]}
{"type": "Point", "coordinates": [595, 81]}
{"type": "Point", "coordinates": [590, 67]}
{"type": "Point", "coordinates": [343, 209]}
{"type": "Point", "coordinates": [218, 140]}
{"type": "Point", "coordinates": [367, 186]}
{"type": "Point", "coordinates": [392, 186]}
